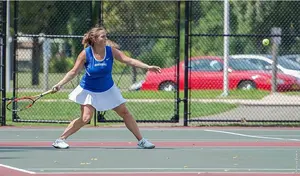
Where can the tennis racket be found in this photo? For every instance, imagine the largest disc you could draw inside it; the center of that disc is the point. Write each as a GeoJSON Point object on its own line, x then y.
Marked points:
{"type": "Point", "coordinates": [22, 103]}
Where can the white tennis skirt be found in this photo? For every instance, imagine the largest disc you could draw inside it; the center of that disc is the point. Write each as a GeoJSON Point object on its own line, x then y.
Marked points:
{"type": "Point", "coordinates": [101, 101]}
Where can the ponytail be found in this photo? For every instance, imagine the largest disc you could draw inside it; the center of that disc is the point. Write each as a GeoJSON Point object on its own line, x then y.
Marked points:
{"type": "Point", "coordinates": [88, 38]}
{"type": "Point", "coordinates": [85, 40]}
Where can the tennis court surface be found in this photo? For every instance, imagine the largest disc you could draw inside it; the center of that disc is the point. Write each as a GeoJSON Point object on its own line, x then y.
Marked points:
{"type": "Point", "coordinates": [179, 151]}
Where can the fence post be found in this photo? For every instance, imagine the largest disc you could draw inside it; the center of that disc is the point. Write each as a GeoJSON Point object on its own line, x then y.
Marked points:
{"type": "Point", "coordinates": [8, 46]}
{"type": "Point", "coordinates": [3, 62]}
{"type": "Point", "coordinates": [176, 117]}
{"type": "Point", "coordinates": [226, 47]}
{"type": "Point", "coordinates": [14, 62]}
{"type": "Point", "coordinates": [186, 62]}
{"type": "Point", "coordinates": [276, 40]}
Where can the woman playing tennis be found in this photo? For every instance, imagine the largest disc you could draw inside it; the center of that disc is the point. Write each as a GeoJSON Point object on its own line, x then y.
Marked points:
{"type": "Point", "coordinates": [97, 89]}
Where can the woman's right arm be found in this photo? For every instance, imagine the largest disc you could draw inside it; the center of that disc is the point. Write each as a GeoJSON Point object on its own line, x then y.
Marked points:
{"type": "Point", "coordinates": [79, 65]}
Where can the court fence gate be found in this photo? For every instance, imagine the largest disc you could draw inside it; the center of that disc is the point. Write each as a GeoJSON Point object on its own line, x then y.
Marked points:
{"type": "Point", "coordinates": [167, 34]}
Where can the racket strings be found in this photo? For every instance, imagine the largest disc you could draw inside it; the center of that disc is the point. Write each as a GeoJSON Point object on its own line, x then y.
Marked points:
{"type": "Point", "coordinates": [20, 104]}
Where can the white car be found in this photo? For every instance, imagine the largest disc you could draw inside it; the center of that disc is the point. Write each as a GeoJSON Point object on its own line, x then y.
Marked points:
{"type": "Point", "coordinates": [292, 57]}
{"type": "Point", "coordinates": [265, 63]}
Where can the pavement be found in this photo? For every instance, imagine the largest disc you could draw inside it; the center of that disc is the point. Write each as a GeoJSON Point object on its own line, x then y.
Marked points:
{"type": "Point", "coordinates": [269, 100]}
{"type": "Point", "coordinates": [274, 107]}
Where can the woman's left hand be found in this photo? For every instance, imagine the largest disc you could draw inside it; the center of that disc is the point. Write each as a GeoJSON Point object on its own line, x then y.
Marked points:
{"type": "Point", "coordinates": [155, 69]}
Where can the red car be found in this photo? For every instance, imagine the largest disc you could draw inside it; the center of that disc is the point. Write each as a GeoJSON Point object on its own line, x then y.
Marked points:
{"type": "Point", "coordinates": [207, 73]}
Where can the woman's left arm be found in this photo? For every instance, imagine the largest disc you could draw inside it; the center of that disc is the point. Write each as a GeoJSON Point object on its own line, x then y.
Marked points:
{"type": "Point", "coordinates": [120, 56]}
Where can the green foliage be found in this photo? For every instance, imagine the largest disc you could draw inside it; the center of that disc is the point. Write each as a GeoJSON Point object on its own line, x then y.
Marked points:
{"type": "Point", "coordinates": [251, 17]}
{"type": "Point", "coordinates": [247, 18]}
{"type": "Point", "coordinates": [162, 54]}
{"type": "Point", "coordinates": [210, 21]}
{"type": "Point", "coordinates": [141, 17]}
{"type": "Point", "coordinates": [61, 64]}
{"type": "Point", "coordinates": [29, 17]}
{"type": "Point", "coordinates": [146, 18]}
{"type": "Point", "coordinates": [155, 18]}
{"type": "Point", "coordinates": [52, 17]}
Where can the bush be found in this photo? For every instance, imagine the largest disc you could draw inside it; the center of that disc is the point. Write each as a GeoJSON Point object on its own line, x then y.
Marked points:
{"type": "Point", "coordinates": [61, 64]}
{"type": "Point", "coordinates": [162, 54]}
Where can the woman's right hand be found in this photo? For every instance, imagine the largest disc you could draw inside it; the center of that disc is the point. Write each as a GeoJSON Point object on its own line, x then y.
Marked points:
{"type": "Point", "coordinates": [56, 88]}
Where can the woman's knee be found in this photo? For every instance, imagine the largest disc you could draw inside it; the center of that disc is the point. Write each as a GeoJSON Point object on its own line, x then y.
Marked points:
{"type": "Point", "coordinates": [125, 113]}
{"type": "Point", "coordinates": [86, 113]}
{"type": "Point", "coordinates": [86, 119]}
{"type": "Point", "coordinates": [122, 111]}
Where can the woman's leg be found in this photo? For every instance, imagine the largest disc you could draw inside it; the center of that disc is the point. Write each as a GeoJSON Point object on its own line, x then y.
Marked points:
{"type": "Point", "coordinates": [86, 115]}
{"type": "Point", "coordinates": [75, 125]}
{"type": "Point", "coordinates": [130, 122]}
{"type": "Point", "coordinates": [132, 126]}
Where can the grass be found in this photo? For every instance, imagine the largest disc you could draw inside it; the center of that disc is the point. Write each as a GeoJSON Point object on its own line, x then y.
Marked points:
{"type": "Point", "coordinates": [159, 110]}
{"type": "Point", "coordinates": [141, 111]}
{"type": "Point", "coordinates": [195, 94]}
{"type": "Point", "coordinates": [60, 108]}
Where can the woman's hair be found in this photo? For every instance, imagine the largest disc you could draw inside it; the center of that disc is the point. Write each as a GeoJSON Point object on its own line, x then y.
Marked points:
{"type": "Point", "coordinates": [93, 33]}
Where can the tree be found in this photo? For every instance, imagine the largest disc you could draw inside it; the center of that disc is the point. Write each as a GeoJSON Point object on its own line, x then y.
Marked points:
{"type": "Point", "coordinates": [52, 18]}
{"type": "Point", "coordinates": [207, 18]}
{"type": "Point", "coordinates": [251, 18]}
{"type": "Point", "coordinates": [136, 26]}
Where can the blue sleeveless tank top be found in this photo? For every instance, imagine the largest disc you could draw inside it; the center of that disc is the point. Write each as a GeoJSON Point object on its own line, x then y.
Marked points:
{"type": "Point", "coordinates": [98, 73]}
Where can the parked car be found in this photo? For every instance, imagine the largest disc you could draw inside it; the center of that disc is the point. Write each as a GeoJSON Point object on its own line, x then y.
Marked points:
{"type": "Point", "coordinates": [292, 57]}
{"type": "Point", "coordinates": [285, 66]}
{"type": "Point", "coordinates": [206, 72]}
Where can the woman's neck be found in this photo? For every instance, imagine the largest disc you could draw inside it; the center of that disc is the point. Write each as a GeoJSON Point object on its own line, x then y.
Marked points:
{"type": "Point", "coordinates": [99, 49]}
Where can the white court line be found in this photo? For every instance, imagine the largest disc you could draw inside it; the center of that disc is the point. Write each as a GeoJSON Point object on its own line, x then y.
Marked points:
{"type": "Point", "coordinates": [159, 173]}
{"type": "Point", "coordinates": [251, 136]}
{"type": "Point", "coordinates": [17, 169]}
{"type": "Point", "coordinates": [161, 169]}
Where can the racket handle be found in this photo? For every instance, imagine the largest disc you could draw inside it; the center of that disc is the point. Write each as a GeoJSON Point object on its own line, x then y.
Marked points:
{"type": "Point", "coordinates": [47, 92]}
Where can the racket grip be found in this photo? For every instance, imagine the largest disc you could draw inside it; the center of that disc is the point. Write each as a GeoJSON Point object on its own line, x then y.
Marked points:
{"type": "Point", "coordinates": [49, 91]}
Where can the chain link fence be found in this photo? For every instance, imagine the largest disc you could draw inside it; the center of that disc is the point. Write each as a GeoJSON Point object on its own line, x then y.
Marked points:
{"type": "Point", "coordinates": [46, 45]}
{"type": "Point", "coordinates": [232, 77]}
{"type": "Point", "coordinates": [47, 50]}
{"type": "Point", "coordinates": [254, 96]}
{"type": "Point", "coordinates": [149, 31]}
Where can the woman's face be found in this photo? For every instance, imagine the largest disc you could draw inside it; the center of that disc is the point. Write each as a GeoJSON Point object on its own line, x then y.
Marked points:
{"type": "Point", "coordinates": [101, 39]}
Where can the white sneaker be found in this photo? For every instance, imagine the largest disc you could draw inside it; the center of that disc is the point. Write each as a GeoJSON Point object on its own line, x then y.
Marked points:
{"type": "Point", "coordinates": [145, 144]}
{"type": "Point", "coordinates": [60, 143]}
